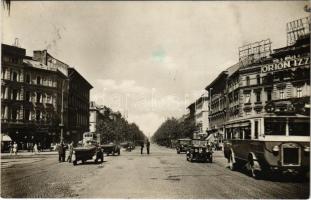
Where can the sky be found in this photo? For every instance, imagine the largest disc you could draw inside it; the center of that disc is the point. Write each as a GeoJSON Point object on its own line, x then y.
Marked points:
{"type": "Point", "coordinates": [148, 60]}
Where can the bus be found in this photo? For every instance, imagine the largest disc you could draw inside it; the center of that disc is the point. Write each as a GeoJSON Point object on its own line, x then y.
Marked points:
{"type": "Point", "coordinates": [89, 138]}
{"type": "Point", "coordinates": [269, 143]}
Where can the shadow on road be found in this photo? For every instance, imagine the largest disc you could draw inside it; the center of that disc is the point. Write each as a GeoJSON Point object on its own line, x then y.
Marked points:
{"type": "Point", "coordinates": [276, 176]}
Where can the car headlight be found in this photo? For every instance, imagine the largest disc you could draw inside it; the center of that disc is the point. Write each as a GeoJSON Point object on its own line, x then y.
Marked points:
{"type": "Point", "coordinates": [276, 148]}
{"type": "Point", "coordinates": [196, 150]}
{"type": "Point", "coordinates": [200, 150]}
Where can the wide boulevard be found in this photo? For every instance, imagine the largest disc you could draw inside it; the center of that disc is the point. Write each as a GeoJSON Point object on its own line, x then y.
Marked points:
{"type": "Point", "coordinates": [161, 174]}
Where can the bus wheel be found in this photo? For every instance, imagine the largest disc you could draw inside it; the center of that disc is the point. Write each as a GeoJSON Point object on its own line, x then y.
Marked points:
{"type": "Point", "coordinates": [255, 173]}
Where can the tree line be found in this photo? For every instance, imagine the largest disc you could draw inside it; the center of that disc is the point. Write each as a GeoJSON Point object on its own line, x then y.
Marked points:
{"type": "Point", "coordinates": [173, 129]}
{"type": "Point", "coordinates": [113, 127]}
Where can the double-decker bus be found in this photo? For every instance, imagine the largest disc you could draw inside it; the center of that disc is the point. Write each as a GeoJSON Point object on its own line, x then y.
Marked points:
{"type": "Point", "coordinates": [269, 143]}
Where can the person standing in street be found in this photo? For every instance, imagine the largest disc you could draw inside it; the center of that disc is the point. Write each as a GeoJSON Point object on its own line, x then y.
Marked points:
{"type": "Point", "coordinates": [148, 146]}
{"type": "Point", "coordinates": [70, 148]}
{"type": "Point", "coordinates": [61, 152]}
{"type": "Point", "coordinates": [35, 148]}
{"type": "Point", "coordinates": [141, 147]}
{"type": "Point", "coordinates": [15, 148]}
{"type": "Point", "coordinates": [11, 148]}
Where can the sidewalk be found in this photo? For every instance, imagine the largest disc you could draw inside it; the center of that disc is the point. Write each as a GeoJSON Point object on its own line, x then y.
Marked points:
{"type": "Point", "coordinates": [26, 154]}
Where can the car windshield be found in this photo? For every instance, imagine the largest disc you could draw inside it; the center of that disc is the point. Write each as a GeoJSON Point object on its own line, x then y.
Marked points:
{"type": "Point", "coordinates": [185, 142]}
{"type": "Point", "coordinates": [199, 142]}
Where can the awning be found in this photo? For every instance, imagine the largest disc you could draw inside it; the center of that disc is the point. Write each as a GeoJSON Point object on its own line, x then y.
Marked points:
{"type": "Point", "coordinates": [5, 138]}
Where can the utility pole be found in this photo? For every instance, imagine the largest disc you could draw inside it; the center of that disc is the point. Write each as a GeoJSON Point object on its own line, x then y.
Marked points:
{"type": "Point", "coordinates": [62, 116]}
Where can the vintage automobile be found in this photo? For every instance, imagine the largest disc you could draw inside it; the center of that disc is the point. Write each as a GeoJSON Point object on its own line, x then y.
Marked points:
{"type": "Point", "coordinates": [269, 144]}
{"type": "Point", "coordinates": [182, 145]}
{"type": "Point", "coordinates": [87, 153]}
{"type": "Point", "coordinates": [200, 150]}
{"type": "Point", "coordinates": [111, 149]}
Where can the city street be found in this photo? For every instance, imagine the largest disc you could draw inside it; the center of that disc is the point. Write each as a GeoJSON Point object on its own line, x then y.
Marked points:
{"type": "Point", "coordinates": [162, 174]}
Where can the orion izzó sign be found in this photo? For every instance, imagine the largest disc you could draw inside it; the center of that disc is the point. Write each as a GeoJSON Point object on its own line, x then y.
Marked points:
{"type": "Point", "coordinates": [285, 64]}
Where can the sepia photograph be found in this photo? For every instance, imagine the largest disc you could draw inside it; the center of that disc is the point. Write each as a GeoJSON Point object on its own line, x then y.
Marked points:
{"type": "Point", "coordinates": [155, 99]}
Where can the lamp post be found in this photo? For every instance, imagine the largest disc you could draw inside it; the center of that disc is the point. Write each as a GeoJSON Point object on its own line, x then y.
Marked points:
{"type": "Point", "coordinates": [61, 125]}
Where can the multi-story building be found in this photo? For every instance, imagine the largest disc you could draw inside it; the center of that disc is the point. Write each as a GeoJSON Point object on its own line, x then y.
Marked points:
{"type": "Point", "coordinates": [96, 114]}
{"type": "Point", "coordinates": [201, 116]}
{"type": "Point", "coordinates": [30, 98]}
{"type": "Point", "coordinates": [218, 102]}
{"type": "Point", "coordinates": [78, 104]}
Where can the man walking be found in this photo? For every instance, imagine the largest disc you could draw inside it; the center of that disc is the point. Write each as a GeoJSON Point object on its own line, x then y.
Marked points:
{"type": "Point", "coordinates": [70, 147]}
{"type": "Point", "coordinates": [61, 152]}
{"type": "Point", "coordinates": [148, 146]}
{"type": "Point", "coordinates": [141, 147]}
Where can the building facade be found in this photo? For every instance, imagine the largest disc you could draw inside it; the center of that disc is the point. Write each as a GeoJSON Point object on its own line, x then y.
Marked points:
{"type": "Point", "coordinates": [78, 105]}
{"type": "Point", "coordinates": [30, 99]}
{"type": "Point", "coordinates": [201, 116]}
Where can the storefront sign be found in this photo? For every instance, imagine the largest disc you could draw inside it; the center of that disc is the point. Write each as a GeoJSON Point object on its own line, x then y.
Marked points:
{"type": "Point", "coordinates": [285, 64]}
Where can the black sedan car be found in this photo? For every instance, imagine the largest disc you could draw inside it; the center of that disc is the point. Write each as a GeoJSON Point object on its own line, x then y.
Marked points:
{"type": "Point", "coordinates": [200, 150]}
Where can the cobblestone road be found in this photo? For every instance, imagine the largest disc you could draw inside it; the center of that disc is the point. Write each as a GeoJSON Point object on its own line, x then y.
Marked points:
{"type": "Point", "coordinates": [162, 174]}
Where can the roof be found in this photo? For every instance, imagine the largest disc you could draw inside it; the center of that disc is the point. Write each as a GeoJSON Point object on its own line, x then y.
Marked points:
{"type": "Point", "coordinates": [37, 64]}
{"type": "Point", "coordinates": [8, 49]}
{"type": "Point", "coordinates": [191, 105]}
{"type": "Point", "coordinates": [72, 70]}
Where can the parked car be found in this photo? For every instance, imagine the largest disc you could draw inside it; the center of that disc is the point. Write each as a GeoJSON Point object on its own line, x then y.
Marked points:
{"type": "Point", "coordinates": [182, 145]}
{"type": "Point", "coordinates": [111, 149]}
{"type": "Point", "coordinates": [200, 150]}
{"type": "Point", "coordinates": [53, 147]}
{"type": "Point", "coordinates": [87, 153]}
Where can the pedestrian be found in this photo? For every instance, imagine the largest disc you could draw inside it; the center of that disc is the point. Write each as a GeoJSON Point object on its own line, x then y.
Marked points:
{"type": "Point", "coordinates": [61, 152]}
{"type": "Point", "coordinates": [141, 147]}
{"type": "Point", "coordinates": [148, 146]}
{"type": "Point", "coordinates": [35, 148]}
{"type": "Point", "coordinates": [70, 148]}
{"type": "Point", "coordinates": [11, 148]}
{"type": "Point", "coordinates": [15, 148]}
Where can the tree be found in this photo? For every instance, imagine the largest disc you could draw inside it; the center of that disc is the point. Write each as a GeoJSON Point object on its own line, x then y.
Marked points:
{"type": "Point", "coordinates": [172, 129]}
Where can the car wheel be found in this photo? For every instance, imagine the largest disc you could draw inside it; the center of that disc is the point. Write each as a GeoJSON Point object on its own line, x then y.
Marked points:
{"type": "Point", "coordinates": [74, 162]}
{"type": "Point", "coordinates": [118, 153]}
{"type": "Point", "coordinates": [191, 157]}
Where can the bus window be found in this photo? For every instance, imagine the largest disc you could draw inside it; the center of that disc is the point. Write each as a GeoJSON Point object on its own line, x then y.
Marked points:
{"type": "Point", "coordinates": [275, 126]}
{"type": "Point", "coordinates": [256, 129]}
{"type": "Point", "coordinates": [247, 132]}
{"type": "Point", "coordinates": [299, 128]}
{"type": "Point", "coordinates": [236, 133]}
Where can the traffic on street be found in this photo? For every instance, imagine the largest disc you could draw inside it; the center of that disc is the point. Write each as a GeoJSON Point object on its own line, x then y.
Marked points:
{"type": "Point", "coordinates": [161, 174]}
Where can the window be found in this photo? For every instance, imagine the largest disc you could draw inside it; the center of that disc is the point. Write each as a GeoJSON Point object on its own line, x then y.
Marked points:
{"type": "Point", "coordinates": [38, 115]}
{"type": "Point", "coordinates": [299, 127]}
{"type": "Point", "coordinates": [246, 132]}
{"type": "Point", "coordinates": [14, 95]}
{"type": "Point", "coordinates": [275, 126]}
{"type": "Point", "coordinates": [247, 98]}
{"type": "Point", "coordinates": [247, 80]}
{"type": "Point", "coordinates": [14, 114]}
{"type": "Point", "coordinates": [28, 78]}
{"type": "Point", "coordinates": [3, 73]}
{"type": "Point", "coordinates": [39, 96]}
{"type": "Point", "coordinates": [256, 129]}
{"type": "Point", "coordinates": [38, 80]}
{"type": "Point", "coordinates": [282, 94]}
{"type": "Point", "coordinates": [258, 96]}
{"type": "Point", "coordinates": [14, 76]}
{"type": "Point", "coordinates": [3, 92]}
{"type": "Point", "coordinates": [4, 112]}
{"type": "Point", "coordinates": [27, 95]}
{"type": "Point", "coordinates": [269, 95]}
{"type": "Point", "coordinates": [258, 79]}
{"type": "Point", "coordinates": [27, 114]}
{"type": "Point", "coordinates": [299, 92]}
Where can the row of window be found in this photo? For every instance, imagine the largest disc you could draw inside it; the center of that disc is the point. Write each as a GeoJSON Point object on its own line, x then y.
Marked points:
{"type": "Point", "coordinates": [15, 113]}
{"type": "Point", "coordinates": [17, 76]}
{"type": "Point", "coordinates": [16, 95]}
{"type": "Point", "coordinates": [281, 94]}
